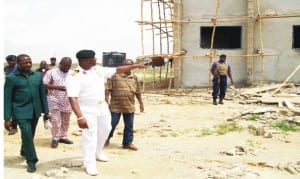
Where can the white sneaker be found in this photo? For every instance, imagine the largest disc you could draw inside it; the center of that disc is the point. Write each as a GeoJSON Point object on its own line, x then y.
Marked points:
{"type": "Point", "coordinates": [92, 171]}
{"type": "Point", "coordinates": [102, 157]}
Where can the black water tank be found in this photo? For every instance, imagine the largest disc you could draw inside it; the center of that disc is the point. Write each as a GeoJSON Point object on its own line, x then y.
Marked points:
{"type": "Point", "coordinates": [113, 59]}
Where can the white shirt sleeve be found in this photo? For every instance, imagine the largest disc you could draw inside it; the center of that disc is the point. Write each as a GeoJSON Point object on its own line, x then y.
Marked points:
{"type": "Point", "coordinates": [107, 71]}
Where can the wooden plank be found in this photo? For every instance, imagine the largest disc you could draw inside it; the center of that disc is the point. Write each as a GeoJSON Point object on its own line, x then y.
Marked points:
{"type": "Point", "coordinates": [262, 89]}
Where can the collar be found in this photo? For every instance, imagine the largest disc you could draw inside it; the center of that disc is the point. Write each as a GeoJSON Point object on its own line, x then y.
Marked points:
{"type": "Point", "coordinates": [83, 71]}
{"type": "Point", "coordinates": [17, 72]}
{"type": "Point", "coordinates": [124, 75]}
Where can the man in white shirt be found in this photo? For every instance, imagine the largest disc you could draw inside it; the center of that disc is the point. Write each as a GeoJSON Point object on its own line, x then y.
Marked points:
{"type": "Point", "coordinates": [86, 92]}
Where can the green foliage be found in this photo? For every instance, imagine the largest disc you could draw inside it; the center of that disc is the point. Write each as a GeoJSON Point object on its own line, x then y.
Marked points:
{"type": "Point", "coordinates": [251, 143]}
{"type": "Point", "coordinates": [227, 127]}
{"type": "Point", "coordinates": [253, 117]}
{"type": "Point", "coordinates": [205, 132]}
{"type": "Point", "coordinates": [167, 101]}
{"type": "Point", "coordinates": [285, 126]}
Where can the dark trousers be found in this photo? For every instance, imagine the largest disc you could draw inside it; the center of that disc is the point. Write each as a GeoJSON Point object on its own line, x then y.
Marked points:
{"type": "Point", "coordinates": [219, 89]}
{"type": "Point", "coordinates": [28, 128]}
{"type": "Point", "coordinates": [128, 119]}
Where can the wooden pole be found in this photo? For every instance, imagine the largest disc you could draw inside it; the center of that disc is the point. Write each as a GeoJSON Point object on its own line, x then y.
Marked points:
{"type": "Point", "coordinates": [211, 55]}
{"type": "Point", "coordinates": [287, 79]}
{"type": "Point", "coordinates": [261, 45]}
{"type": "Point", "coordinates": [142, 42]}
{"type": "Point", "coordinates": [173, 60]}
{"type": "Point", "coordinates": [224, 19]}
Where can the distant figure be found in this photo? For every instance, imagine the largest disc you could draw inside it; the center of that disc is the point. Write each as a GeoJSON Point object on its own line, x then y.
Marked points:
{"type": "Point", "coordinates": [58, 101]}
{"type": "Point", "coordinates": [10, 68]}
{"type": "Point", "coordinates": [122, 88]}
{"type": "Point", "coordinates": [86, 92]}
{"type": "Point", "coordinates": [11, 61]}
{"type": "Point", "coordinates": [52, 62]}
{"type": "Point", "coordinates": [24, 100]}
{"type": "Point", "coordinates": [220, 70]}
{"type": "Point", "coordinates": [43, 67]}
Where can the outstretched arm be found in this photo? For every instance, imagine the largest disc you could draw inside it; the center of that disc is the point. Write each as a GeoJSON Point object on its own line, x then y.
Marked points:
{"type": "Point", "coordinates": [126, 68]}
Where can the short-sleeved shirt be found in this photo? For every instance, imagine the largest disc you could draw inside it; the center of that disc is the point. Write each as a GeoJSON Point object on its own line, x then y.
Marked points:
{"type": "Point", "coordinates": [88, 87]}
{"type": "Point", "coordinates": [123, 89]}
{"type": "Point", "coordinates": [57, 99]}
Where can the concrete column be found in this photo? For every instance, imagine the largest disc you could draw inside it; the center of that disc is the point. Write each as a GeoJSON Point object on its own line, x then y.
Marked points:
{"type": "Point", "coordinates": [177, 31]}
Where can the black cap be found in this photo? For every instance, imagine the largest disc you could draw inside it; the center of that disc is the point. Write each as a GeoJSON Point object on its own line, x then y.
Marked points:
{"type": "Point", "coordinates": [84, 54]}
{"type": "Point", "coordinates": [223, 56]}
{"type": "Point", "coordinates": [11, 57]}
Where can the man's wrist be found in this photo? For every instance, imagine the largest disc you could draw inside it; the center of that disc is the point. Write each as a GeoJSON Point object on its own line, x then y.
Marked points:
{"type": "Point", "coordinates": [79, 118]}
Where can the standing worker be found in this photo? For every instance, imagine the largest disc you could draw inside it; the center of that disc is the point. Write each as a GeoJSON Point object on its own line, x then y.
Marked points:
{"type": "Point", "coordinates": [220, 70]}
{"type": "Point", "coordinates": [52, 62]}
{"type": "Point", "coordinates": [86, 92]}
{"type": "Point", "coordinates": [123, 88]}
{"type": "Point", "coordinates": [24, 100]}
{"type": "Point", "coordinates": [58, 101]}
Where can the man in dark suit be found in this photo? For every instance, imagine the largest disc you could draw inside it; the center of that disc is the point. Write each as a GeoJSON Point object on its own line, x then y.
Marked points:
{"type": "Point", "coordinates": [24, 100]}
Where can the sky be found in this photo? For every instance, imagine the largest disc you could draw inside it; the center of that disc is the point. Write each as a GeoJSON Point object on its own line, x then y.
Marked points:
{"type": "Point", "coordinates": [58, 28]}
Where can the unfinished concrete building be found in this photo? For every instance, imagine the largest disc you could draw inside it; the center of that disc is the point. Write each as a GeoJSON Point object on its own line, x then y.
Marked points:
{"type": "Point", "coordinates": [261, 38]}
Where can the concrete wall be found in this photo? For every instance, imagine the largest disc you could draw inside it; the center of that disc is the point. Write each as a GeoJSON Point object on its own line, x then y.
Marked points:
{"type": "Point", "coordinates": [277, 40]}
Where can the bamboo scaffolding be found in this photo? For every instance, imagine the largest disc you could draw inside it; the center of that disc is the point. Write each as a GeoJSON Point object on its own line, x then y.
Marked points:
{"type": "Point", "coordinates": [165, 27]}
{"type": "Point", "coordinates": [172, 67]}
{"type": "Point", "coordinates": [220, 19]}
{"type": "Point", "coordinates": [261, 43]}
{"type": "Point", "coordinates": [167, 37]}
{"type": "Point", "coordinates": [153, 39]}
{"type": "Point", "coordinates": [199, 56]}
{"type": "Point", "coordinates": [211, 54]}
{"type": "Point", "coordinates": [142, 41]}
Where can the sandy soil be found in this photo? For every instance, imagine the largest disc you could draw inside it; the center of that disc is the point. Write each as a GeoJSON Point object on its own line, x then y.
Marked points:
{"type": "Point", "coordinates": [172, 144]}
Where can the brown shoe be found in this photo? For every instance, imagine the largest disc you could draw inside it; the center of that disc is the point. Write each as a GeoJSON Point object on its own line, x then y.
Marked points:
{"type": "Point", "coordinates": [130, 147]}
{"type": "Point", "coordinates": [54, 144]}
{"type": "Point", "coordinates": [65, 141]}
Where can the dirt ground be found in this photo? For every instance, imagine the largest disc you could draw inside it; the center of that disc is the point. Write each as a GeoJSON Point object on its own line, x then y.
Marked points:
{"type": "Point", "coordinates": [176, 139]}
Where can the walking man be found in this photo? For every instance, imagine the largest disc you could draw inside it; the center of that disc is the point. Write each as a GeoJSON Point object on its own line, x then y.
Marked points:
{"type": "Point", "coordinates": [58, 101]}
{"type": "Point", "coordinates": [220, 70]}
{"type": "Point", "coordinates": [86, 92]}
{"type": "Point", "coordinates": [122, 88]}
{"type": "Point", "coordinates": [24, 100]}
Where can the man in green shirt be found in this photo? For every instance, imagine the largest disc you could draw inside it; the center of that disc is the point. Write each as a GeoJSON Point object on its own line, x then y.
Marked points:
{"type": "Point", "coordinates": [24, 100]}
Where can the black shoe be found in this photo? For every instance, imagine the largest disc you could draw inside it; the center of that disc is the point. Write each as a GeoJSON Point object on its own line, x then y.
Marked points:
{"type": "Point", "coordinates": [65, 141]}
{"type": "Point", "coordinates": [22, 154]}
{"type": "Point", "coordinates": [215, 102]}
{"type": "Point", "coordinates": [221, 101]}
{"type": "Point", "coordinates": [54, 143]}
{"type": "Point", "coordinates": [31, 167]}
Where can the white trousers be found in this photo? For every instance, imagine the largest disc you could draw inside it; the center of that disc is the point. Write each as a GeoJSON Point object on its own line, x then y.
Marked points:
{"type": "Point", "coordinates": [93, 138]}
